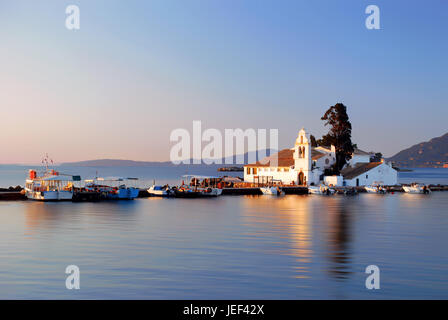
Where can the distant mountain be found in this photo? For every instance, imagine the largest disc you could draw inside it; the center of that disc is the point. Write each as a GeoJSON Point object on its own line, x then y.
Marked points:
{"type": "Point", "coordinates": [114, 163]}
{"type": "Point", "coordinates": [433, 153]}
{"type": "Point", "coordinates": [131, 163]}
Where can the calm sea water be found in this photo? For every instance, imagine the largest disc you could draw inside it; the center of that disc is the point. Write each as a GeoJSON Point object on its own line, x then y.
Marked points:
{"type": "Point", "coordinates": [232, 247]}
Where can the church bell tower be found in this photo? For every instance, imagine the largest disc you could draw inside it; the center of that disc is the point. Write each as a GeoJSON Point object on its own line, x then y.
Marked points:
{"type": "Point", "coordinates": [302, 157]}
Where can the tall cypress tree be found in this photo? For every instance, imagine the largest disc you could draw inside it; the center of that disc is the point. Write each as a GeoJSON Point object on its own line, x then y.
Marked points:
{"type": "Point", "coordinates": [340, 134]}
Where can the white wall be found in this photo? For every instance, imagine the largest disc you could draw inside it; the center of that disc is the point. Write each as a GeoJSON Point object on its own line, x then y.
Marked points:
{"type": "Point", "coordinates": [357, 158]}
{"type": "Point", "coordinates": [285, 177]}
{"type": "Point", "coordinates": [336, 181]}
{"type": "Point", "coordinates": [321, 162]}
{"type": "Point", "coordinates": [382, 174]}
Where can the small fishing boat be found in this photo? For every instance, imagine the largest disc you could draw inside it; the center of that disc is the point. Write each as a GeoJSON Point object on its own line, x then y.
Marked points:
{"type": "Point", "coordinates": [160, 191]}
{"type": "Point", "coordinates": [272, 191]}
{"type": "Point", "coordinates": [113, 188]}
{"type": "Point", "coordinates": [375, 189]}
{"type": "Point", "coordinates": [417, 188]}
{"type": "Point", "coordinates": [322, 190]}
{"type": "Point", "coordinates": [187, 192]}
{"type": "Point", "coordinates": [198, 187]}
{"type": "Point", "coordinates": [50, 186]}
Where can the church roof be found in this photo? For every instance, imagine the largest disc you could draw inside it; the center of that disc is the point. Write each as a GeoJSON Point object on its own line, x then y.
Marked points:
{"type": "Point", "coordinates": [285, 159]}
{"type": "Point", "coordinates": [360, 168]}
{"type": "Point", "coordinates": [315, 154]}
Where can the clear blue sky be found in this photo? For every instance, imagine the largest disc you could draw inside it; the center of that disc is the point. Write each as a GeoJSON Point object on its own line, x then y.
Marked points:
{"type": "Point", "coordinates": [138, 69]}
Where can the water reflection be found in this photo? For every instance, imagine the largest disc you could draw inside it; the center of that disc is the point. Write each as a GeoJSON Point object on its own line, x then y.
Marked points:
{"type": "Point", "coordinates": [339, 238]}
{"type": "Point", "coordinates": [294, 217]}
{"type": "Point", "coordinates": [49, 215]}
{"type": "Point", "coordinates": [288, 217]}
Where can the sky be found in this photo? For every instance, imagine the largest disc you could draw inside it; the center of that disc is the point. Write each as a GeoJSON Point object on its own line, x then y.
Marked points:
{"type": "Point", "coordinates": [137, 70]}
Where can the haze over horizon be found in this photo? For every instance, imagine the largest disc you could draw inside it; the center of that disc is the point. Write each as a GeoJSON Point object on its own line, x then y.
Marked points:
{"type": "Point", "coordinates": [135, 71]}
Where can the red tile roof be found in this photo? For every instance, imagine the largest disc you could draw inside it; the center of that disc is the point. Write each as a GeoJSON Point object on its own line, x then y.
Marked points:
{"type": "Point", "coordinates": [285, 159]}
{"type": "Point", "coordinates": [360, 168]}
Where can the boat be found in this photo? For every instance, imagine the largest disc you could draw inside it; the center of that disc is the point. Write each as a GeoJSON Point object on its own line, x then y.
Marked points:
{"type": "Point", "coordinates": [198, 187]}
{"type": "Point", "coordinates": [417, 188]}
{"type": "Point", "coordinates": [273, 191]}
{"type": "Point", "coordinates": [160, 191]}
{"type": "Point", "coordinates": [187, 192]}
{"type": "Point", "coordinates": [375, 189]}
{"type": "Point", "coordinates": [50, 186]}
{"type": "Point", "coordinates": [113, 188]}
{"type": "Point", "coordinates": [322, 189]}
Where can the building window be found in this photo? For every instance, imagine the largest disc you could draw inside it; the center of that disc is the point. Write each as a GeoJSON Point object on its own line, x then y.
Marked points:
{"type": "Point", "coordinates": [254, 170]}
{"type": "Point", "coordinates": [367, 176]}
{"type": "Point", "coordinates": [248, 170]}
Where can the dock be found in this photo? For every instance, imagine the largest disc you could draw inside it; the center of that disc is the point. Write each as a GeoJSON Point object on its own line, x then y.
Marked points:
{"type": "Point", "coordinates": [12, 196]}
{"type": "Point", "coordinates": [86, 196]}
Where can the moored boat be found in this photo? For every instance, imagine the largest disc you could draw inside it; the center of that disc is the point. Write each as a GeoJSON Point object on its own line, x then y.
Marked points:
{"type": "Point", "coordinates": [417, 188]}
{"type": "Point", "coordinates": [50, 186]}
{"type": "Point", "coordinates": [322, 190]}
{"type": "Point", "coordinates": [197, 187]}
{"type": "Point", "coordinates": [160, 191]}
{"type": "Point", "coordinates": [113, 188]}
{"type": "Point", "coordinates": [375, 189]}
{"type": "Point", "coordinates": [273, 191]}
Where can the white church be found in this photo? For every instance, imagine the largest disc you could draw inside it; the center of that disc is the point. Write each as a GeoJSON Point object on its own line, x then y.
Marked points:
{"type": "Point", "coordinates": [305, 165]}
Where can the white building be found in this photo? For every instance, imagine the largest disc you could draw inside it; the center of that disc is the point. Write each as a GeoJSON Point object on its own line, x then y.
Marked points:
{"type": "Point", "coordinates": [363, 174]}
{"type": "Point", "coordinates": [305, 165]}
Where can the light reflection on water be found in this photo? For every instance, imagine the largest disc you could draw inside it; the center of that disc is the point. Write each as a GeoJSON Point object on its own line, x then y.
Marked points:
{"type": "Point", "coordinates": [291, 247]}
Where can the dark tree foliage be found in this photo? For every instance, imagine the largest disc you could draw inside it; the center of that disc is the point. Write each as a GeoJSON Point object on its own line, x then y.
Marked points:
{"type": "Point", "coordinates": [313, 141]}
{"type": "Point", "coordinates": [340, 134]}
{"type": "Point", "coordinates": [377, 157]}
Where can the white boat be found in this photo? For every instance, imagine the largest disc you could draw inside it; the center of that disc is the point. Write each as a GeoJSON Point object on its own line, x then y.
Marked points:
{"type": "Point", "coordinates": [160, 191]}
{"type": "Point", "coordinates": [375, 189]}
{"type": "Point", "coordinates": [51, 186]}
{"type": "Point", "coordinates": [272, 191]}
{"type": "Point", "coordinates": [114, 188]}
{"type": "Point", "coordinates": [322, 189]}
{"type": "Point", "coordinates": [417, 188]}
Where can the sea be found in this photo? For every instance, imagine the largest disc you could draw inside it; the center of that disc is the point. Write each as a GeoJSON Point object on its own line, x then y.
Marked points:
{"type": "Point", "coordinates": [230, 247]}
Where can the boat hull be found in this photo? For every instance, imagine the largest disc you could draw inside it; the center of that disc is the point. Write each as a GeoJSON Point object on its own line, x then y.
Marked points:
{"type": "Point", "coordinates": [271, 191]}
{"type": "Point", "coordinates": [416, 189]}
{"type": "Point", "coordinates": [370, 189]}
{"type": "Point", "coordinates": [320, 191]}
{"type": "Point", "coordinates": [49, 195]}
{"type": "Point", "coordinates": [198, 193]}
{"type": "Point", "coordinates": [156, 191]}
{"type": "Point", "coordinates": [124, 194]}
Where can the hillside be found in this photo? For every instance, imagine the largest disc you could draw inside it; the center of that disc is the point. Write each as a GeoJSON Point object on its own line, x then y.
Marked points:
{"type": "Point", "coordinates": [132, 163]}
{"type": "Point", "coordinates": [433, 153]}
